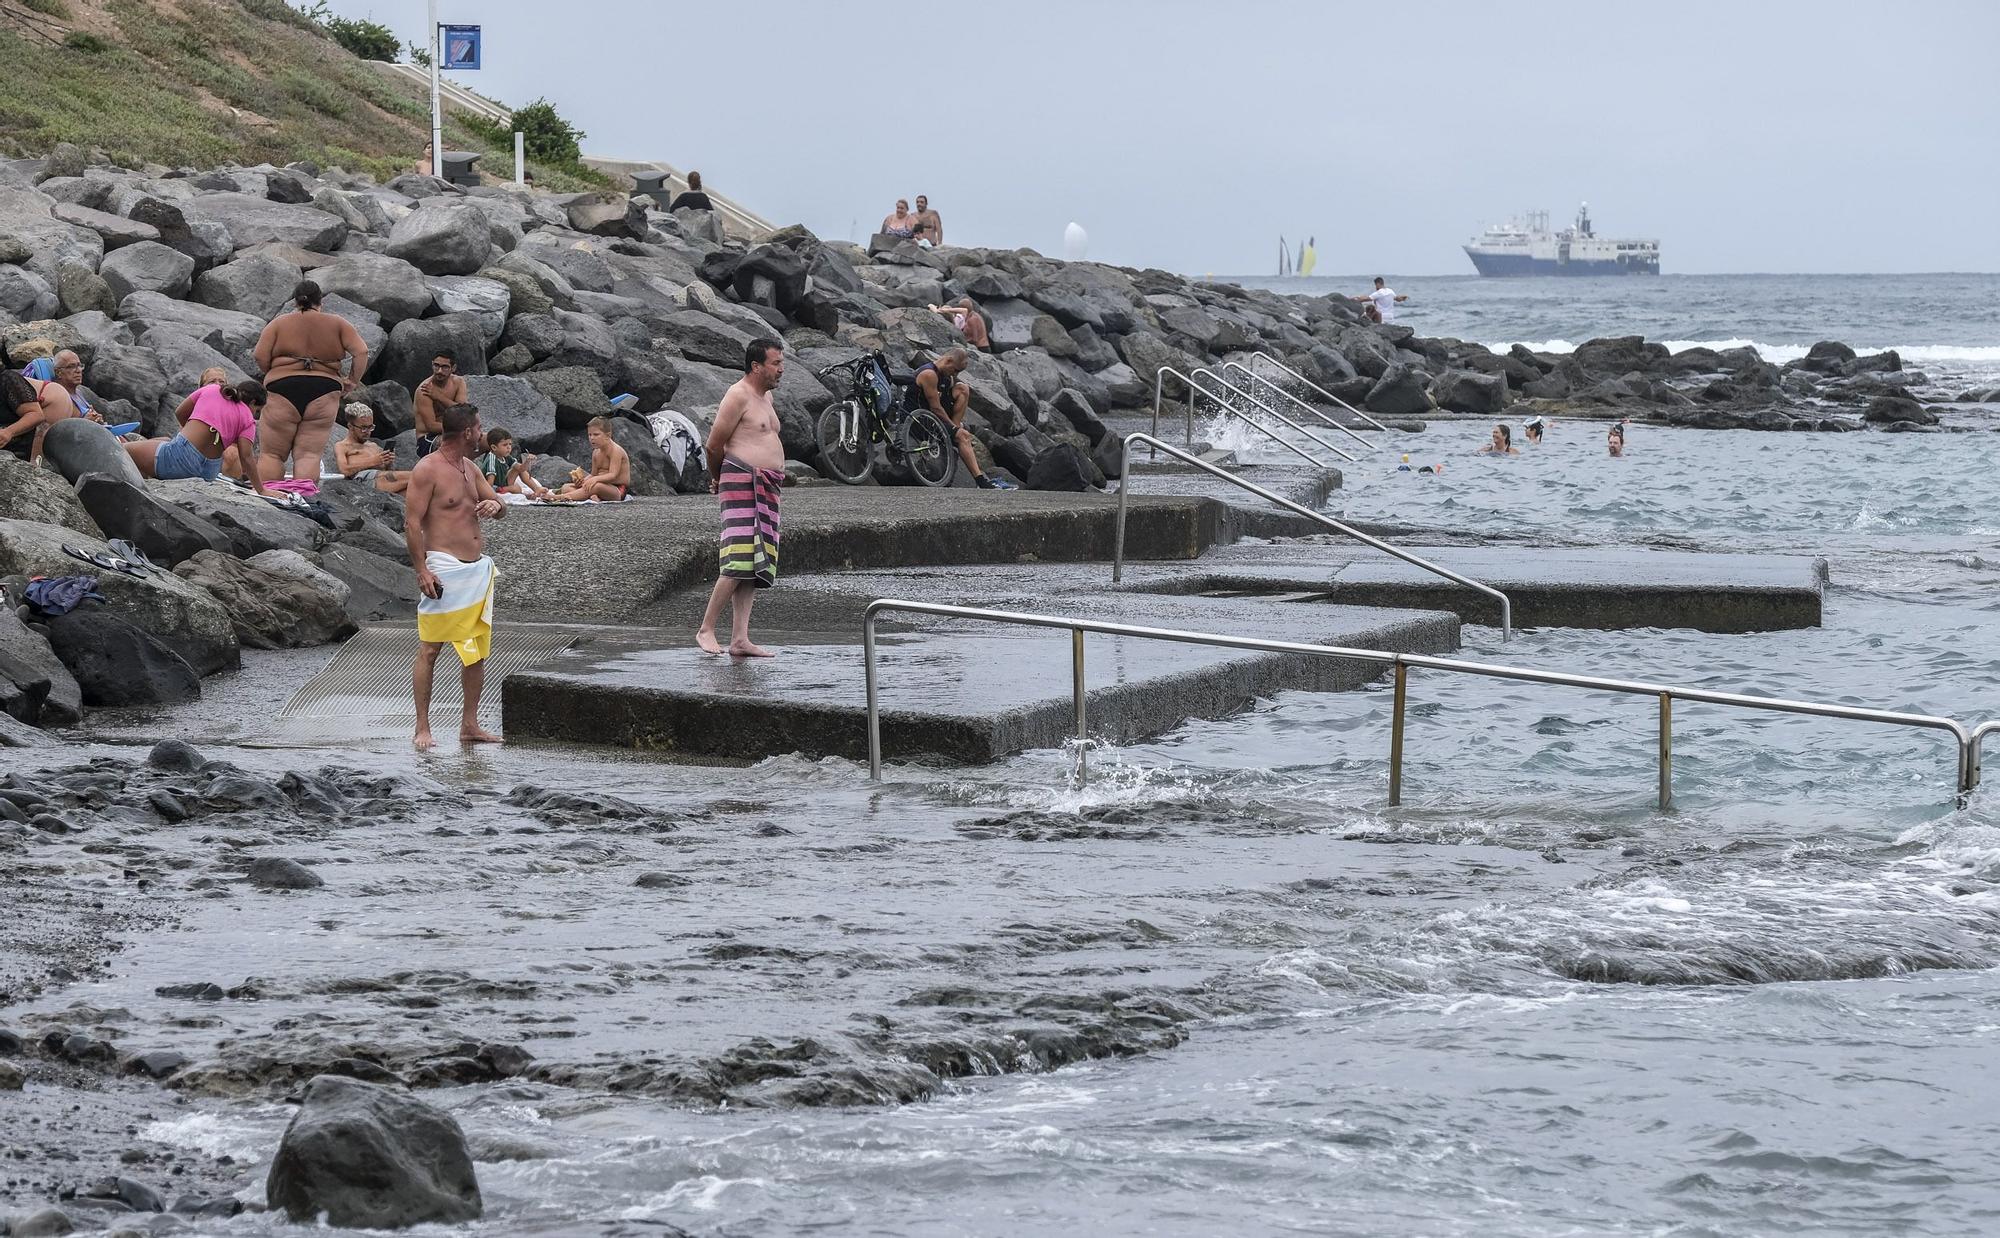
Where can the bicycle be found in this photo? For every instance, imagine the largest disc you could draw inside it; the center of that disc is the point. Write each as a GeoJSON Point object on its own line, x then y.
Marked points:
{"type": "Point", "coordinates": [914, 442]}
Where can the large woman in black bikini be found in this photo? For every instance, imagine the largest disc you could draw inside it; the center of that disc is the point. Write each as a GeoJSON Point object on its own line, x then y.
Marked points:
{"type": "Point", "coordinates": [301, 354]}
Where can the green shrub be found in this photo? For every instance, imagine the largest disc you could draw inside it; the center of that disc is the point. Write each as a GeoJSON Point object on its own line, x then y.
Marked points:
{"type": "Point", "coordinates": [278, 10]}
{"type": "Point", "coordinates": [84, 41]}
{"type": "Point", "coordinates": [53, 8]}
{"type": "Point", "coordinates": [547, 136]}
{"type": "Point", "coordinates": [366, 39]}
{"type": "Point", "coordinates": [420, 55]}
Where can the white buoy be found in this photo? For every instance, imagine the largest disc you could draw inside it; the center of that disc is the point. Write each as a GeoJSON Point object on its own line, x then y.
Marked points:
{"type": "Point", "coordinates": [1075, 242]}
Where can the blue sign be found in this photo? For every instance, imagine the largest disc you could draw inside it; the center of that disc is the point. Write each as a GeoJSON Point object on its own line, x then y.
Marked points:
{"type": "Point", "coordinates": [461, 47]}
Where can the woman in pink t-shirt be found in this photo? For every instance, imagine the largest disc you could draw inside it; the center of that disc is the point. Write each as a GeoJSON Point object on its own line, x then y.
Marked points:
{"type": "Point", "coordinates": [213, 419]}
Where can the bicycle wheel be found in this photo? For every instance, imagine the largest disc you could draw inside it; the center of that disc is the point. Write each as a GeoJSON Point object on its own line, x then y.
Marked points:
{"type": "Point", "coordinates": [844, 460]}
{"type": "Point", "coordinates": [929, 449]}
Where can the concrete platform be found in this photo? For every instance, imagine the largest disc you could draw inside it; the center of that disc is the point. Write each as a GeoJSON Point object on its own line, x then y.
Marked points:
{"type": "Point", "coordinates": [1604, 587]}
{"type": "Point", "coordinates": [957, 692]}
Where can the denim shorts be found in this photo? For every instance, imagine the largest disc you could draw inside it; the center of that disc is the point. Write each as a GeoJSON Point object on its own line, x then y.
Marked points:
{"type": "Point", "coordinates": [178, 459]}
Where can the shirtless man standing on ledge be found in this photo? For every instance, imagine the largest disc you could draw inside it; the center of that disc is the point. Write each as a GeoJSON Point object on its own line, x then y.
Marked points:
{"type": "Point", "coordinates": [446, 500]}
{"type": "Point", "coordinates": [746, 470]}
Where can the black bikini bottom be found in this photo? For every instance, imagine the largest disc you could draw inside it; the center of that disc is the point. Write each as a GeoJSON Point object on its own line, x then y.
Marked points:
{"type": "Point", "coordinates": [302, 389]}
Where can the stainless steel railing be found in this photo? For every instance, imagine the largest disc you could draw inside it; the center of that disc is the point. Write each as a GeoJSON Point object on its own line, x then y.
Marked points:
{"type": "Point", "coordinates": [1666, 695]}
{"type": "Point", "coordinates": [1315, 410]}
{"type": "Point", "coordinates": [1233, 389]}
{"type": "Point", "coordinates": [1118, 542]}
{"type": "Point", "coordinates": [1264, 356]}
{"type": "Point", "coordinates": [1193, 387]}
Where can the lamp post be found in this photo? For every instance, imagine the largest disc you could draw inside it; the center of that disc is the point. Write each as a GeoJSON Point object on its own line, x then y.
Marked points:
{"type": "Point", "coordinates": [437, 105]}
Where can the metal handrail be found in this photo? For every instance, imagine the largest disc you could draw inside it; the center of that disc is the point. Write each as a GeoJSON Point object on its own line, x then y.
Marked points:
{"type": "Point", "coordinates": [1159, 384]}
{"type": "Point", "coordinates": [1233, 389]}
{"type": "Point", "coordinates": [1316, 411]}
{"type": "Point", "coordinates": [1968, 750]}
{"type": "Point", "coordinates": [1118, 542]}
{"type": "Point", "coordinates": [1259, 427]}
{"type": "Point", "coordinates": [1264, 356]}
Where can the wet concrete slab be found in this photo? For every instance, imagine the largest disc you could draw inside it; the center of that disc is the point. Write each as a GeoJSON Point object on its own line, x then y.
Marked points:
{"type": "Point", "coordinates": [950, 691]}
{"type": "Point", "coordinates": [1607, 587]}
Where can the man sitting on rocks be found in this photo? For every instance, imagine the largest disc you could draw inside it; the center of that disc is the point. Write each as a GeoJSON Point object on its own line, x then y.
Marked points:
{"type": "Point", "coordinates": [929, 229]}
{"type": "Point", "coordinates": [41, 394]}
{"type": "Point", "coordinates": [440, 391]}
{"type": "Point", "coordinates": [694, 199]}
{"type": "Point", "coordinates": [937, 388]}
{"type": "Point", "coordinates": [357, 455]}
{"type": "Point", "coordinates": [610, 473]}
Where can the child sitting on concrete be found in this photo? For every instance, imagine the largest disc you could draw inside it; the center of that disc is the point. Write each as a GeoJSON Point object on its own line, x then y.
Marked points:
{"type": "Point", "coordinates": [610, 475]}
{"type": "Point", "coordinates": [507, 474]}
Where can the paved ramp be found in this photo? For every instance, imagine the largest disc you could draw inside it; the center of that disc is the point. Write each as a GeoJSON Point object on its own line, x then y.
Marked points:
{"type": "Point", "coordinates": [370, 675]}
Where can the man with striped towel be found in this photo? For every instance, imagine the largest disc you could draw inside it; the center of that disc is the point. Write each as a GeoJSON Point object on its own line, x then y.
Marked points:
{"type": "Point", "coordinates": [746, 470]}
{"type": "Point", "coordinates": [447, 499]}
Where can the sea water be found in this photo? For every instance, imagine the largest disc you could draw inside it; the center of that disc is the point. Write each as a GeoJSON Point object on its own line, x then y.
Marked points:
{"type": "Point", "coordinates": [1527, 1002]}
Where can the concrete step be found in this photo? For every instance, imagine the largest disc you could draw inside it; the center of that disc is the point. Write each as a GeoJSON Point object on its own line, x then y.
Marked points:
{"type": "Point", "coordinates": [959, 692]}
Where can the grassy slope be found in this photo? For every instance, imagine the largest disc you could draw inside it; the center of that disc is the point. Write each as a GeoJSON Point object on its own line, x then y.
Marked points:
{"type": "Point", "coordinates": [163, 89]}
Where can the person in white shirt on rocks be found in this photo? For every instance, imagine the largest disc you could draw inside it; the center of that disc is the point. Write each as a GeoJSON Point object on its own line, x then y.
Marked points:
{"type": "Point", "coordinates": [1382, 302]}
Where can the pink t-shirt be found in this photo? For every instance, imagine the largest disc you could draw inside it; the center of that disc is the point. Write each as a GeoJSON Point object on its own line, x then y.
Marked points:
{"type": "Point", "coordinates": [232, 422]}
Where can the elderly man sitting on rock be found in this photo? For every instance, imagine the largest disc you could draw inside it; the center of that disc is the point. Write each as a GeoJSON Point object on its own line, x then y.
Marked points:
{"type": "Point", "coordinates": [360, 457]}
{"type": "Point", "coordinates": [39, 395]}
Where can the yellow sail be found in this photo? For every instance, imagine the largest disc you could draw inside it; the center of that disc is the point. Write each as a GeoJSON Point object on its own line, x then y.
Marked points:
{"type": "Point", "coordinates": [1308, 260]}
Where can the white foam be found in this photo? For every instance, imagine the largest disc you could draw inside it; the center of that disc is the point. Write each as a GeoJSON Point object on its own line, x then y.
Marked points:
{"type": "Point", "coordinates": [210, 1134]}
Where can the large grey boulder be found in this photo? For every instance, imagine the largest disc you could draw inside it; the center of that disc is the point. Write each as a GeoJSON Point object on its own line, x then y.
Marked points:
{"type": "Point", "coordinates": [1898, 409]}
{"type": "Point", "coordinates": [35, 686]}
{"type": "Point", "coordinates": [253, 221]}
{"type": "Point", "coordinates": [75, 446]}
{"type": "Point", "coordinates": [559, 291]}
{"type": "Point", "coordinates": [25, 295]}
{"type": "Point", "coordinates": [81, 290]}
{"type": "Point", "coordinates": [116, 663]}
{"type": "Point", "coordinates": [30, 493]}
{"type": "Point", "coordinates": [166, 533]}
{"type": "Point", "coordinates": [414, 342]}
{"type": "Point", "coordinates": [442, 236]}
{"type": "Point", "coordinates": [366, 1157]}
{"type": "Point", "coordinates": [470, 294]}
{"type": "Point", "coordinates": [524, 295]}
{"type": "Point", "coordinates": [608, 214]}
{"type": "Point", "coordinates": [275, 600]}
{"type": "Point", "coordinates": [578, 262]}
{"type": "Point", "coordinates": [257, 285]}
{"type": "Point", "coordinates": [1012, 323]}
{"type": "Point", "coordinates": [186, 619]}
{"type": "Point", "coordinates": [148, 266]}
{"type": "Point", "coordinates": [588, 342]}
{"type": "Point", "coordinates": [251, 524]}
{"type": "Point", "coordinates": [1401, 391]}
{"type": "Point", "coordinates": [224, 330]}
{"type": "Point", "coordinates": [1463, 391]}
{"type": "Point", "coordinates": [378, 588]}
{"type": "Point", "coordinates": [183, 360]}
{"type": "Point", "coordinates": [699, 337]}
{"type": "Point", "coordinates": [116, 230]}
{"type": "Point", "coordinates": [128, 372]}
{"type": "Point", "coordinates": [576, 392]}
{"type": "Point", "coordinates": [389, 287]}
{"type": "Point", "coordinates": [516, 406]}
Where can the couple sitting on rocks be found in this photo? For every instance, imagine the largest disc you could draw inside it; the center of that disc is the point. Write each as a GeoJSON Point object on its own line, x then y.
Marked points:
{"type": "Point", "coordinates": [38, 395]}
{"type": "Point", "coordinates": [922, 226]}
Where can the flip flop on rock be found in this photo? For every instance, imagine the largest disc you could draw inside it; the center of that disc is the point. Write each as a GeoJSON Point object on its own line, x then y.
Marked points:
{"type": "Point", "coordinates": [133, 555]}
{"type": "Point", "coordinates": [108, 562]}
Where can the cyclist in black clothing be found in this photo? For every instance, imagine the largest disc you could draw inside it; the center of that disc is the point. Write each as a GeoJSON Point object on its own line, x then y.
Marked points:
{"type": "Point", "coordinates": [937, 388]}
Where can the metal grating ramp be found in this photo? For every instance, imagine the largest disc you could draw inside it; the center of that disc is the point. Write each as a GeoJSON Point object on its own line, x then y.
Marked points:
{"type": "Point", "coordinates": [369, 677]}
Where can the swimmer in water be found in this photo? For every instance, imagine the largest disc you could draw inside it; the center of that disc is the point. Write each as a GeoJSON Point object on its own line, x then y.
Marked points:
{"type": "Point", "coordinates": [1614, 441]}
{"type": "Point", "coordinates": [1404, 467]}
{"type": "Point", "coordinates": [1502, 444]}
{"type": "Point", "coordinates": [1534, 427]}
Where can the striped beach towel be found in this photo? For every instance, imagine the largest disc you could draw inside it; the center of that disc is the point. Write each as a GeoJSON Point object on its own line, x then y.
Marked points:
{"type": "Point", "coordinates": [462, 614]}
{"type": "Point", "coordinates": [749, 521]}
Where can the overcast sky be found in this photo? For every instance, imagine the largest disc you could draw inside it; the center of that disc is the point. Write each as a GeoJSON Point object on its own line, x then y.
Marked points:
{"type": "Point", "coordinates": [1751, 135]}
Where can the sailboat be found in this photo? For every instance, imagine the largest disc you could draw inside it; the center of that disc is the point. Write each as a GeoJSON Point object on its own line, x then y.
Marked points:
{"type": "Point", "coordinates": [1284, 259]}
{"type": "Point", "coordinates": [1308, 259]}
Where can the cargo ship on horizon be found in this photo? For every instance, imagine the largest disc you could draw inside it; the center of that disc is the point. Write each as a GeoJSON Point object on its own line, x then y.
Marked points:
{"type": "Point", "coordinates": [1527, 247]}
